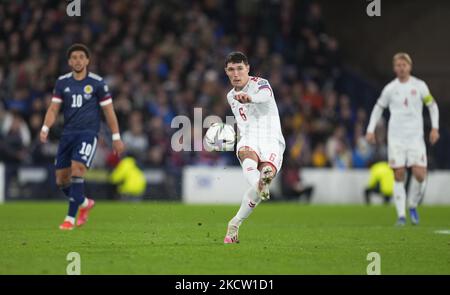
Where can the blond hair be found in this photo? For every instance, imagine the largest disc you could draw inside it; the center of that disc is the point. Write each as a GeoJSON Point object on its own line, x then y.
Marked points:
{"type": "Point", "coordinates": [404, 56]}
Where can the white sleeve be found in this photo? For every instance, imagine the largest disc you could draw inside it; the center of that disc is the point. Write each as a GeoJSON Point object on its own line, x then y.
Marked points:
{"type": "Point", "coordinates": [383, 100]}
{"type": "Point", "coordinates": [374, 117]}
{"type": "Point", "coordinates": [229, 99]}
{"type": "Point", "coordinates": [434, 115]}
{"type": "Point", "coordinates": [424, 91]}
{"type": "Point", "coordinates": [425, 94]}
{"type": "Point", "coordinates": [262, 93]}
{"type": "Point", "coordinates": [429, 101]}
{"type": "Point", "coordinates": [377, 112]}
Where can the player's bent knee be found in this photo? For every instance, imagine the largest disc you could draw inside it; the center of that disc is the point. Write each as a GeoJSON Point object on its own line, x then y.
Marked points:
{"type": "Point", "coordinates": [63, 178]}
{"type": "Point", "coordinates": [78, 169]}
{"type": "Point", "coordinates": [420, 174]}
{"type": "Point", "coordinates": [246, 153]}
{"type": "Point", "coordinates": [78, 173]}
{"type": "Point", "coordinates": [399, 174]}
{"type": "Point", "coordinates": [420, 178]}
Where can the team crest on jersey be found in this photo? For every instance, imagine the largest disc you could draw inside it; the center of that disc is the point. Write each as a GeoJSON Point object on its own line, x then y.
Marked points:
{"type": "Point", "coordinates": [413, 92]}
{"type": "Point", "coordinates": [87, 91]}
{"type": "Point", "coordinates": [262, 82]}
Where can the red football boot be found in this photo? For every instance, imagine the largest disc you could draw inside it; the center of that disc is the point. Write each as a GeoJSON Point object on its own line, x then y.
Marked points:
{"type": "Point", "coordinates": [67, 225]}
{"type": "Point", "coordinates": [84, 212]}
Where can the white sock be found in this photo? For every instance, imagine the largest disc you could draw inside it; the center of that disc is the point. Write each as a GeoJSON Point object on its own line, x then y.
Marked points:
{"type": "Point", "coordinates": [248, 204]}
{"type": "Point", "coordinates": [85, 203]}
{"type": "Point", "coordinates": [400, 198]}
{"type": "Point", "coordinates": [70, 219]}
{"type": "Point", "coordinates": [251, 173]}
{"type": "Point", "coordinates": [416, 192]}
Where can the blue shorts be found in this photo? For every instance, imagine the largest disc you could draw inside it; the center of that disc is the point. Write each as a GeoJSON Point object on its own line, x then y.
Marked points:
{"type": "Point", "coordinates": [79, 146]}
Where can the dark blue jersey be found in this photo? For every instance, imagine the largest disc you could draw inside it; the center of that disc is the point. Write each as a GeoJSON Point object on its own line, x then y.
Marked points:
{"type": "Point", "coordinates": [81, 101]}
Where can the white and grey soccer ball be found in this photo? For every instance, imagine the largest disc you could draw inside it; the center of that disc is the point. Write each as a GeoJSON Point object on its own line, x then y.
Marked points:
{"type": "Point", "coordinates": [220, 137]}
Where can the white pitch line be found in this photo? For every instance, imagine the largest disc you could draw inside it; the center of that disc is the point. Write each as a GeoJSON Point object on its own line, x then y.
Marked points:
{"type": "Point", "coordinates": [442, 232]}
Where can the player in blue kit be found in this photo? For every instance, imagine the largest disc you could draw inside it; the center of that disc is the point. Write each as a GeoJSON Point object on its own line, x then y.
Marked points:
{"type": "Point", "coordinates": [81, 95]}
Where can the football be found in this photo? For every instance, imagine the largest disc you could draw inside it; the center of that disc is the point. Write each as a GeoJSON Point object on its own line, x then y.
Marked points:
{"type": "Point", "coordinates": [220, 137]}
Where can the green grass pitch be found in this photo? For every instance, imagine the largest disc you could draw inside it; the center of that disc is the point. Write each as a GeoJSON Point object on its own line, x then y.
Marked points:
{"type": "Point", "coordinates": [173, 238]}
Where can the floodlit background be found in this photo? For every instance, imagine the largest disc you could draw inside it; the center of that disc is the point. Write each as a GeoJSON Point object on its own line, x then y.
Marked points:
{"type": "Point", "coordinates": [327, 63]}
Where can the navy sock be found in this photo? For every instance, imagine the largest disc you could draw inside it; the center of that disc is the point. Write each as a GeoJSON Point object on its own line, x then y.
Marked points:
{"type": "Point", "coordinates": [66, 190]}
{"type": "Point", "coordinates": [76, 197]}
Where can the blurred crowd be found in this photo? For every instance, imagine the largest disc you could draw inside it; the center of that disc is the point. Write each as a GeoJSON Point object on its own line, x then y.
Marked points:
{"type": "Point", "coordinates": [165, 58]}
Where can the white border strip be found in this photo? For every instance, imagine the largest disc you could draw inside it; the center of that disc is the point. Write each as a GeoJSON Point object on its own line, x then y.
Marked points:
{"type": "Point", "coordinates": [91, 156]}
{"type": "Point", "coordinates": [442, 232]}
{"type": "Point", "coordinates": [2, 183]}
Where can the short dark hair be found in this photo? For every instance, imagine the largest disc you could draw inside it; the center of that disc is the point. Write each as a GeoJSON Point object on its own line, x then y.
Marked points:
{"type": "Point", "coordinates": [78, 47]}
{"type": "Point", "coordinates": [236, 57]}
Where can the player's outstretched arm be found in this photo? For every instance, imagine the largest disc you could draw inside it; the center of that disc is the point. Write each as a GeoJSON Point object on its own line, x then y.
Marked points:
{"type": "Point", "coordinates": [111, 120]}
{"type": "Point", "coordinates": [49, 120]}
{"type": "Point", "coordinates": [260, 96]}
{"type": "Point", "coordinates": [376, 114]}
{"type": "Point", "coordinates": [242, 97]}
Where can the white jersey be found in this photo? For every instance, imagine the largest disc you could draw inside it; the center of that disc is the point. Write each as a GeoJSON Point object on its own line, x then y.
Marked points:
{"type": "Point", "coordinates": [405, 102]}
{"type": "Point", "coordinates": [258, 121]}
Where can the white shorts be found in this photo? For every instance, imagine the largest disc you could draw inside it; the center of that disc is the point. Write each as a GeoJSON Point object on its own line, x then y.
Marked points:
{"type": "Point", "coordinates": [407, 154]}
{"type": "Point", "coordinates": [270, 152]}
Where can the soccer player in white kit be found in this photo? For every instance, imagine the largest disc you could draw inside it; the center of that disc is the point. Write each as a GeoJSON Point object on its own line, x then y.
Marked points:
{"type": "Point", "coordinates": [261, 144]}
{"type": "Point", "coordinates": [405, 97]}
